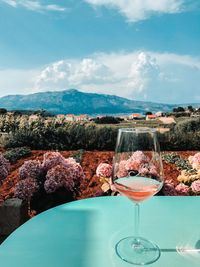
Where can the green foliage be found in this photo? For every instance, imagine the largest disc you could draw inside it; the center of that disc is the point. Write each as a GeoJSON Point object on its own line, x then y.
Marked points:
{"type": "Point", "coordinates": [148, 113]}
{"type": "Point", "coordinates": [180, 141]}
{"type": "Point", "coordinates": [107, 120]}
{"type": "Point", "coordinates": [17, 153]}
{"type": "Point", "coordinates": [3, 111]}
{"type": "Point", "coordinates": [78, 155]}
{"type": "Point", "coordinates": [67, 136]}
{"type": "Point", "coordinates": [188, 125]}
{"type": "Point", "coordinates": [181, 164]}
{"type": "Point", "coordinates": [179, 109]}
{"type": "Point", "coordinates": [53, 134]}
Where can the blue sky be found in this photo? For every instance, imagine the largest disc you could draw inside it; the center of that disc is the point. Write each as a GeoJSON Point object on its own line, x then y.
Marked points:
{"type": "Point", "coordinates": [144, 50]}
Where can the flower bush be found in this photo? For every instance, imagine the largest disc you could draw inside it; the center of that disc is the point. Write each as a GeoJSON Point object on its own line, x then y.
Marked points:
{"type": "Point", "coordinates": [104, 170]}
{"type": "Point", "coordinates": [182, 189]}
{"type": "Point", "coordinates": [53, 175]}
{"type": "Point", "coordinates": [189, 178]}
{"type": "Point", "coordinates": [195, 186]}
{"type": "Point", "coordinates": [195, 161]}
{"type": "Point", "coordinates": [4, 167]}
{"type": "Point", "coordinates": [169, 189]}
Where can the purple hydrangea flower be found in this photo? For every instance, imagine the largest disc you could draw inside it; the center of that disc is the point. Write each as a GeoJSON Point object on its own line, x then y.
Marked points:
{"type": "Point", "coordinates": [26, 188]}
{"type": "Point", "coordinates": [169, 189]}
{"type": "Point", "coordinates": [30, 169]}
{"type": "Point", "coordinates": [52, 159]}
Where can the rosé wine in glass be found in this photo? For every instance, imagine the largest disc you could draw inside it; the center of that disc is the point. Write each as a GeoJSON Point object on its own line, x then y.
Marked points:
{"type": "Point", "coordinates": [137, 188]}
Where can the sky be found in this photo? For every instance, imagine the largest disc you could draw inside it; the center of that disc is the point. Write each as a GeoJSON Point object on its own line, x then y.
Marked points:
{"type": "Point", "coordinates": [138, 49]}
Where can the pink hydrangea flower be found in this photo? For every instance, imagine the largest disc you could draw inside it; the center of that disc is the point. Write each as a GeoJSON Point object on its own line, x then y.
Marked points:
{"type": "Point", "coordinates": [182, 189]}
{"type": "Point", "coordinates": [69, 161]}
{"type": "Point", "coordinates": [195, 186]}
{"type": "Point", "coordinates": [4, 167]}
{"type": "Point", "coordinates": [30, 169]}
{"type": "Point", "coordinates": [139, 156]}
{"type": "Point", "coordinates": [122, 171]}
{"type": "Point", "coordinates": [195, 161]}
{"type": "Point", "coordinates": [104, 170]}
{"type": "Point", "coordinates": [168, 188]}
{"type": "Point", "coordinates": [148, 169]}
{"type": "Point", "coordinates": [136, 160]}
{"type": "Point", "coordinates": [26, 188]}
{"type": "Point", "coordinates": [190, 159]}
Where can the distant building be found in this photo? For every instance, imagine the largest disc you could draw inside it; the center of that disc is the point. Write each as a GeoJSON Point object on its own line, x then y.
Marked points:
{"type": "Point", "coordinates": [167, 120]}
{"type": "Point", "coordinates": [33, 118]}
{"type": "Point", "coordinates": [124, 117]}
{"type": "Point", "coordinates": [136, 116]}
{"type": "Point", "coordinates": [82, 117]}
{"type": "Point", "coordinates": [70, 117]}
{"type": "Point", "coordinates": [151, 117]}
{"type": "Point", "coordinates": [60, 117]}
{"type": "Point", "coordinates": [159, 114]}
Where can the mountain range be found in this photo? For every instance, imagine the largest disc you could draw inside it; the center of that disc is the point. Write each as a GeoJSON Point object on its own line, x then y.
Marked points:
{"type": "Point", "coordinates": [76, 102]}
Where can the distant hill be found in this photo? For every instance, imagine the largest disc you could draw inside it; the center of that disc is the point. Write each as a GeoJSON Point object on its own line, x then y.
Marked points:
{"type": "Point", "coordinates": [76, 102]}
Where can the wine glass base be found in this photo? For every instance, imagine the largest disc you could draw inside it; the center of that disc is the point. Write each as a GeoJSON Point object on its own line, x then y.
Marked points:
{"type": "Point", "coordinates": [137, 251]}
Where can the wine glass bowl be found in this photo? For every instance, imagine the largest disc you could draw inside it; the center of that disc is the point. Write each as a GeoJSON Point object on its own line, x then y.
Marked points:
{"type": "Point", "coordinates": [138, 175]}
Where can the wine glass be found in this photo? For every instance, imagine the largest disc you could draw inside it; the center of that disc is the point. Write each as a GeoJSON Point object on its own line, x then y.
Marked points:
{"type": "Point", "coordinates": [138, 175]}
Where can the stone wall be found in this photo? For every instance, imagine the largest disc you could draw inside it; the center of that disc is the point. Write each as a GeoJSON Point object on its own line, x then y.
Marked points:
{"type": "Point", "coordinates": [13, 213]}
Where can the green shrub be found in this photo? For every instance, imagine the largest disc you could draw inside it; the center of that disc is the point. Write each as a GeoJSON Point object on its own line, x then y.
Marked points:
{"type": "Point", "coordinates": [107, 120]}
{"type": "Point", "coordinates": [17, 153]}
{"type": "Point", "coordinates": [180, 141]}
{"type": "Point", "coordinates": [188, 125]}
{"type": "Point", "coordinates": [71, 136]}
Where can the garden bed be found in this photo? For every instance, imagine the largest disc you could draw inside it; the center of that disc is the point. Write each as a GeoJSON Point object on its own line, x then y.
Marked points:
{"type": "Point", "coordinates": [91, 185]}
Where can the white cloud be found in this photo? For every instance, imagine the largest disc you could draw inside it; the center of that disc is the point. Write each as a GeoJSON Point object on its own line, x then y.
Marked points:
{"type": "Point", "coordinates": [73, 73]}
{"type": "Point", "coordinates": [143, 70]}
{"type": "Point", "coordinates": [33, 5]}
{"type": "Point", "coordinates": [136, 10]}
{"type": "Point", "coordinates": [140, 75]}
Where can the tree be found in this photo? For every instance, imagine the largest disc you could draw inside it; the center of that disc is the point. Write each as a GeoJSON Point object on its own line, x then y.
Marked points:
{"type": "Point", "coordinates": [107, 120]}
{"type": "Point", "coordinates": [179, 109]}
{"type": "Point", "coordinates": [3, 111]}
{"type": "Point", "coordinates": [190, 108]}
{"type": "Point", "coordinates": [148, 113]}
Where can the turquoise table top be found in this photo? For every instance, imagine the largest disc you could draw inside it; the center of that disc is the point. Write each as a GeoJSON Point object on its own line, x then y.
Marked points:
{"type": "Point", "coordinates": [84, 233]}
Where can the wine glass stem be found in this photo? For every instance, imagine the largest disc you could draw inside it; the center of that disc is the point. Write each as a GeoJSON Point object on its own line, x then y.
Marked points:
{"type": "Point", "coordinates": [137, 221]}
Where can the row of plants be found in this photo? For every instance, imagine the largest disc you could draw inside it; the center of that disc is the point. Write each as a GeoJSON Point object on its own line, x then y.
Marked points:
{"type": "Point", "coordinates": [42, 133]}
{"type": "Point", "coordinates": [70, 136]}
{"type": "Point", "coordinates": [90, 137]}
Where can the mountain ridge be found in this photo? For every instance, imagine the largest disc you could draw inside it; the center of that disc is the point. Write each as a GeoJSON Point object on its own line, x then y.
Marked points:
{"type": "Point", "coordinates": [77, 102]}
